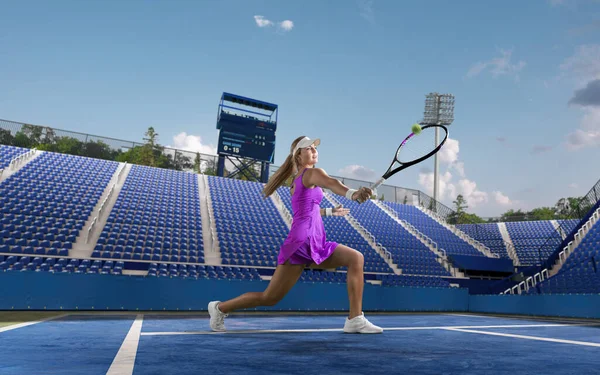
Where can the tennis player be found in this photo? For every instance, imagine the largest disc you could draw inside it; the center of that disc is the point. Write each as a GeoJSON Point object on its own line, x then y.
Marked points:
{"type": "Point", "coordinates": [306, 244]}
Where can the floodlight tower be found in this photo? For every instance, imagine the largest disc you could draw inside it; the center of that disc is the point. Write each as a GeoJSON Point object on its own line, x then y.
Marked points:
{"type": "Point", "coordinates": [439, 110]}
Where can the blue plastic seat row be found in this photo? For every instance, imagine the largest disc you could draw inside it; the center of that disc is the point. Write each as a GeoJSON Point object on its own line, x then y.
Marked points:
{"type": "Point", "coordinates": [16, 249]}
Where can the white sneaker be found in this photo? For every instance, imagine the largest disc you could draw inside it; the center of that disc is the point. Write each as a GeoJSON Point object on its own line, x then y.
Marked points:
{"type": "Point", "coordinates": [216, 317]}
{"type": "Point", "coordinates": [360, 324]}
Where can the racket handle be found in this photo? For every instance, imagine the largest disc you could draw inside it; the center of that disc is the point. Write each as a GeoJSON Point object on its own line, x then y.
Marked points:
{"type": "Point", "coordinates": [378, 183]}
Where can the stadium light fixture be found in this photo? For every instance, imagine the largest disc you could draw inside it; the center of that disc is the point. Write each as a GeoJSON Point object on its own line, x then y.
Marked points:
{"type": "Point", "coordinates": [439, 110]}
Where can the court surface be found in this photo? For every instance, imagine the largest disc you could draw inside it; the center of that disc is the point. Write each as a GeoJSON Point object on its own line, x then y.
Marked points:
{"type": "Point", "coordinates": [113, 343]}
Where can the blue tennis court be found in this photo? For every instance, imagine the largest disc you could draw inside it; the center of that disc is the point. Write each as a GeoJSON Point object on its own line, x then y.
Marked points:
{"type": "Point", "coordinates": [299, 344]}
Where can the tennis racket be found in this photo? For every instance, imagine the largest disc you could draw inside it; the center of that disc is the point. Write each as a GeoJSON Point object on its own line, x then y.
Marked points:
{"type": "Point", "coordinates": [414, 149]}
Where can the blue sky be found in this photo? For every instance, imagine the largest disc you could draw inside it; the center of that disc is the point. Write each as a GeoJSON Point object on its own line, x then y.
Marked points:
{"type": "Point", "coordinates": [354, 73]}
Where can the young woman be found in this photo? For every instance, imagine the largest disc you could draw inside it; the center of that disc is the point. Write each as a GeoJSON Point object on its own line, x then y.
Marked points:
{"type": "Point", "coordinates": [306, 244]}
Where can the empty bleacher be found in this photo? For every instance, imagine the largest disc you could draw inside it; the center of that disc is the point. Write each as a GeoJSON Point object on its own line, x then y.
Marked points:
{"type": "Point", "coordinates": [45, 205]}
{"type": "Point", "coordinates": [192, 271]}
{"type": "Point", "coordinates": [249, 228]}
{"type": "Point", "coordinates": [534, 241]}
{"type": "Point", "coordinates": [410, 254]}
{"type": "Point", "coordinates": [419, 281]}
{"type": "Point", "coordinates": [8, 153]}
{"type": "Point", "coordinates": [155, 217]}
{"type": "Point", "coordinates": [581, 271]}
{"type": "Point", "coordinates": [56, 265]}
{"type": "Point", "coordinates": [445, 239]}
{"type": "Point", "coordinates": [156, 220]}
{"type": "Point", "coordinates": [488, 234]}
{"type": "Point", "coordinates": [568, 225]}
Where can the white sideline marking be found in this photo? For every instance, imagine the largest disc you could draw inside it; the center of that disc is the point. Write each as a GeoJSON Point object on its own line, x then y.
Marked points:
{"type": "Point", "coordinates": [584, 343]}
{"type": "Point", "coordinates": [316, 330]}
{"type": "Point", "coordinates": [21, 325]}
{"type": "Point", "coordinates": [470, 316]}
{"type": "Point", "coordinates": [125, 358]}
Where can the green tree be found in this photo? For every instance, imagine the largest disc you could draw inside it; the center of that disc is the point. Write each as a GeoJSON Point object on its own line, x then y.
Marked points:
{"type": "Point", "coordinates": [180, 161]}
{"type": "Point", "coordinates": [6, 138]}
{"type": "Point", "coordinates": [33, 133]}
{"type": "Point", "coordinates": [512, 215]}
{"type": "Point", "coordinates": [148, 152]}
{"type": "Point", "coordinates": [131, 156]}
{"type": "Point", "coordinates": [49, 136]}
{"type": "Point", "coordinates": [70, 145]}
{"type": "Point", "coordinates": [542, 213]}
{"type": "Point", "coordinates": [471, 219]}
{"type": "Point", "coordinates": [197, 161]}
{"type": "Point", "coordinates": [22, 140]}
{"type": "Point", "coordinates": [460, 207]}
{"type": "Point", "coordinates": [99, 150]}
{"type": "Point", "coordinates": [210, 167]}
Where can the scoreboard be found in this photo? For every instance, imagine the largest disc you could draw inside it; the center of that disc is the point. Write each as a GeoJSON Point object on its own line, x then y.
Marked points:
{"type": "Point", "coordinates": [246, 137]}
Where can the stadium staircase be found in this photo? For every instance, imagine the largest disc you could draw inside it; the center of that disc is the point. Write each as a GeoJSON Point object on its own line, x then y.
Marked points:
{"type": "Point", "coordinates": [553, 272]}
{"type": "Point", "coordinates": [212, 253]}
{"type": "Point", "coordinates": [286, 215]}
{"type": "Point", "coordinates": [431, 245]}
{"type": "Point", "coordinates": [510, 246]}
{"type": "Point", "coordinates": [465, 237]}
{"type": "Point", "coordinates": [88, 236]}
{"type": "Point", "coordinates": [573, 245]}
{"type": "Point", "coordinates": [558, 228]}
{"type": "Point", "coordinates": [13, 159]}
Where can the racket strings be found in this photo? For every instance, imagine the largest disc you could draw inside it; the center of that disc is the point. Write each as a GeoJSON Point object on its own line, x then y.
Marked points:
{"type": "Point", "coordinates": [419, 145]}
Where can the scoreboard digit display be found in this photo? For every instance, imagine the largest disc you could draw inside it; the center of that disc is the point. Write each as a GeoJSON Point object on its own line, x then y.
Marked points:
{"type": "Point", "coordinates": [247, 133]}
{"type": "Point", "coordinates": [253, 140]}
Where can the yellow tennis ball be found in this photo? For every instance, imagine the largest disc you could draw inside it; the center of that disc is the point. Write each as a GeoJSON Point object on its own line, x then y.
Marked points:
{"type": "Point", "coordinates": [416, 129]}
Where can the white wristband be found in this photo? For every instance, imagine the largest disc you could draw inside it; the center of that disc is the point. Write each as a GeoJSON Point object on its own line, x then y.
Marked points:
{"type": "Point", "coordinates": [349, 193]}
{"type": "Point", "coordinates": [329, 211]}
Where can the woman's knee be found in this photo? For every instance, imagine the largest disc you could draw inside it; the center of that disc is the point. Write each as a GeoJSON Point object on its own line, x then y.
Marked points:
{"type": "Point", "coordinates": [269, 299]}
{"type": "Point", "coordinates": [358, 259]}
{"type": "Point", "coordinates": [355, 259]}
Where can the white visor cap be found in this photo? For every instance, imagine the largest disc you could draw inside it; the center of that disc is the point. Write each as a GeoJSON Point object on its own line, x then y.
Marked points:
{"type": "Point", "coordinates": [306, 142]}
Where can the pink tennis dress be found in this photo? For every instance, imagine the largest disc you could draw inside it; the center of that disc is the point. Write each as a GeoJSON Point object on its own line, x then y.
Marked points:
{"type": "Point", "coordinates": [306, 243]}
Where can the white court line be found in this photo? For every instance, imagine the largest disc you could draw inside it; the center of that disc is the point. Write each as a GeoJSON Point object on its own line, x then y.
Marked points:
{"type": "Point", "coordinates": [584, 343]}
{"type": "Point", "coordinates": [21, 325]}
{"type": "Point", "coordinates": [125, 358]}
{"type": "Point", "coordinates": [316, 330]}
{"type": "Point", "coordinates": [470, 316]}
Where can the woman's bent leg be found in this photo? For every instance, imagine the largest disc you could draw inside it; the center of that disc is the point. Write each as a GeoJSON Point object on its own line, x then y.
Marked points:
{"type": "Point", "coordinates": [284, 278]}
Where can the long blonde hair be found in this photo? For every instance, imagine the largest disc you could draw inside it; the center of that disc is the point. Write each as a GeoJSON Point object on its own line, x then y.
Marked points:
{"type": "Point", "coordinates": [287, 169]}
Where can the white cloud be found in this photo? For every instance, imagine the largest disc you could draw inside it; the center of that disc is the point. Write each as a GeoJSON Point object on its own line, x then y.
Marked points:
{"type": "Point", "coordinates": [449, 152]}
{"type": "Point", "coordinates": [286, 25]}
{"type": "Point", "coordinates": [501, 199]}
{"type": "Point", "coordinates": [358, 172]}
{"type": "Point", "coordinates": [188, 142]}
{"type": "Point", "coordinates": [449, 188]}
{"type": "Point", "coordinates": [498, 66]}
{"type": "Point", "coordinates": [584, 65]}
{"type": "Point", "coordinates": [573, 186]}
{"type": "Point", "coordinates": [459, 166]}
{"type": "Point", "coordinates": [472, 195]}
{"type": "Point", "coordinates": [588, 134]}
{"type": "Point", "coordinates": [261, 21]}
{"type": "Point", "coordinates": [446, 188]}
